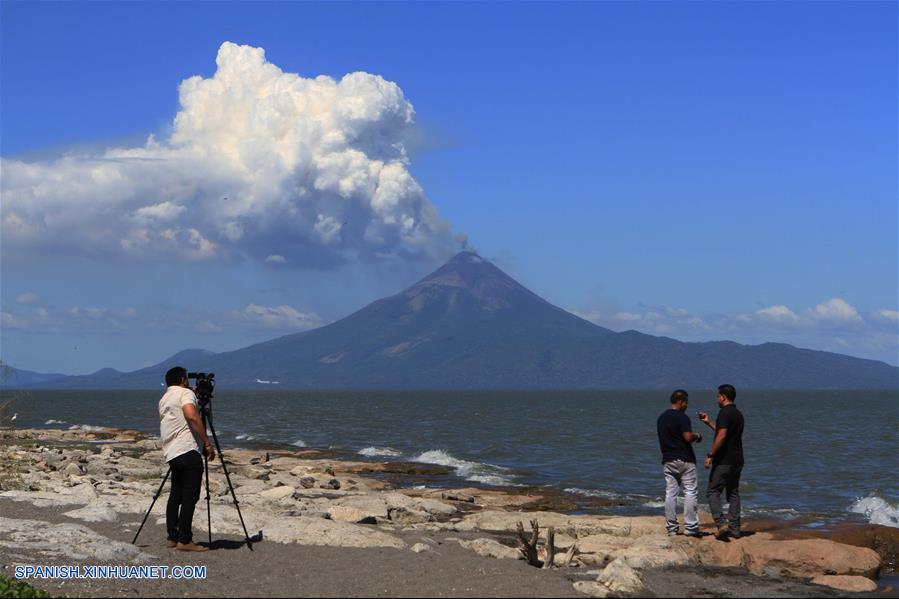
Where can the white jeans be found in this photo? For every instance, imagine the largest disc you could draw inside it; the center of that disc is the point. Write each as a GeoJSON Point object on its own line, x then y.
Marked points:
{"type": "Point", "coordinates": [680, 474]}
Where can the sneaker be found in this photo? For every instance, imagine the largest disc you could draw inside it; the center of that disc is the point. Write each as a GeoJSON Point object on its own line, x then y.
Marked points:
{"type": "Point", "coordinates": [190, 547]}
{"type": "Point", "coordinates": [736, 534]}
{"type": "Point", "coordinates": [722, 533]}
{"type": "Point", "coordinates": [673, 533]}
{"type": "Point", "coordinates": [170, 543]}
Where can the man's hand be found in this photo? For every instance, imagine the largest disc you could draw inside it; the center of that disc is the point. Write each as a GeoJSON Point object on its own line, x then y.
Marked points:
{"type": "Point", "coordinates": [708, 462]}
{"type": "Point", "coordinates": [703, 417]}
{"type": "Point", "coordinates": [209, 451]}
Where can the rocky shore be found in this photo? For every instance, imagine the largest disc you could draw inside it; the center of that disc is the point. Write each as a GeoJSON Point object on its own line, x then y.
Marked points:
{"type": "Point", "coordinates": [326, 526]}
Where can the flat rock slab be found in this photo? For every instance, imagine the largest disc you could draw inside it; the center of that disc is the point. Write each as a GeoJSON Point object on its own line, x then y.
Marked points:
{"type": "Point", "coordinates": [73, 541]}
{"type": "Point", "coordinates": [851, 584]}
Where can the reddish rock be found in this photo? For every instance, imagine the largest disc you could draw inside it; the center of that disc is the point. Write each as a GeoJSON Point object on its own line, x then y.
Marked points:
{"type": "Point", "coordinates": [851, 584]}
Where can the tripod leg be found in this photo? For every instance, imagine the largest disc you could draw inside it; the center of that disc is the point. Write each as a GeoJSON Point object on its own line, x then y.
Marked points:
{"type": "Point", "coordinates": [155, 497]}
{"type": "Point", "coordinates": [218, 449]}
{"type": "Point", "coordinates": [208, 510]}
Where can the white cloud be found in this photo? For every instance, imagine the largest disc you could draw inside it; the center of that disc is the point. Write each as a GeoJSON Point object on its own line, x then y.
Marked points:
{"type": "Point", "coordinates": [260, 162]}
{"type": "Point", "coordinates": [27, 298]}
{"type": "Point", "coordinates": [275, 259]}
{"type": "Point", "coordinates": [832, 325]}
{"type": "Point", "coordinates": [836, 310]}
{"type": "Point", "coordinates": [281, 317]}
{"type": "Point", "coordinates": [778, 314]}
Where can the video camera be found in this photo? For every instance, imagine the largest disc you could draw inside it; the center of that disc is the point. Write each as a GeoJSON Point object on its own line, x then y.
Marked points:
{"type": "Point", "coordinates": [205, 386]}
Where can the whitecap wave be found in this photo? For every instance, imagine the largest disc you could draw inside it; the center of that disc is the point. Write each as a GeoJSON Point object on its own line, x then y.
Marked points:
{"type": "Point", "coordinates": [299, 443]}
{"type": "Point", "coordinates": [593, 493]}
{"type": "Point", "coordinates": [245, 437]}
{"type": "Point", "coordinates": [877, 510]}
{"type": "Point", "coordinates": [87, 428]}
{"type": "Point", "coordinates": [52, 421]}
{"type": "Point", "coordinates": [372, 452]}
{"type": "Point", "coordinates": [487, 474]}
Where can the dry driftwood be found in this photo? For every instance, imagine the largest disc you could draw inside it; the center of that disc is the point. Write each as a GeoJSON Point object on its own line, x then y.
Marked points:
{"type": "Point", "coordinates": [528, 546]}
{"type": "Point", "coordinates": [550, 547]}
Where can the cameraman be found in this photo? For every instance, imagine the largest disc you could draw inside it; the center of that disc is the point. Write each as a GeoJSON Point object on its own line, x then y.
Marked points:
{"type": "Point", "coordinates": [182, 432]}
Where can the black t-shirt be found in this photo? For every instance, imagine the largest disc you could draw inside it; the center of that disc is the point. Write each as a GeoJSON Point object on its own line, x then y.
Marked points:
{"type": "Point", "coordinates": [672, 425]}
{"type": "Point", "coordinates": [731, 453]}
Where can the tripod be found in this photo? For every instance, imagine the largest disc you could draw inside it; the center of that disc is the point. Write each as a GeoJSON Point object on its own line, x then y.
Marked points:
{"type": "Point", "coordinates": [206, 411]}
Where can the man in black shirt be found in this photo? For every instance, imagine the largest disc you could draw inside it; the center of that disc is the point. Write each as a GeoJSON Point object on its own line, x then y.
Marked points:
{"type": "Point", "coordinates": [679, 463]}
{"type": "Point", "coordinates": [726, 460]}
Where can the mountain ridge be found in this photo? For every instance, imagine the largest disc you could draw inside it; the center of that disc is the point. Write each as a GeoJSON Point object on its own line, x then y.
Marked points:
{"type": "Point", "coordinates": [469, 325]}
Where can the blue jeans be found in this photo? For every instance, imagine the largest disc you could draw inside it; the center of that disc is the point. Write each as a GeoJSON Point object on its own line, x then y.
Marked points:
{"type": "Point", "coordinates": [680, 474]}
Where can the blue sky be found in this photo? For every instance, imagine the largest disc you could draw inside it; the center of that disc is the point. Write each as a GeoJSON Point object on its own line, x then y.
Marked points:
{"type": "Point", "coordinates": [698, 170]}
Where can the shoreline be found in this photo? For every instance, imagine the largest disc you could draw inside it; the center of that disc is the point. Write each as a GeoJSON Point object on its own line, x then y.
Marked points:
{"type": "Point", "coordinates": [601, 501]}
{"type": "Point", "coordinates": [313, 502]}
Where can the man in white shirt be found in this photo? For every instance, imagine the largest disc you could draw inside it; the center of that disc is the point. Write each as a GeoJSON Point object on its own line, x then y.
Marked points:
{"type": "Point", "coordinates": [182, 432]}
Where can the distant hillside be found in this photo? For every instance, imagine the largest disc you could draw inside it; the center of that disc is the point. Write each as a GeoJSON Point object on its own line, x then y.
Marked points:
{"type": "Point", "coordinates": [469, 325]}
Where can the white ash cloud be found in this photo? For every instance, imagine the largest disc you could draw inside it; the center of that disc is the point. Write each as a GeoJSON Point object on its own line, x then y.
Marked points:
{"type": "Point", "coordinates": [260, 163]}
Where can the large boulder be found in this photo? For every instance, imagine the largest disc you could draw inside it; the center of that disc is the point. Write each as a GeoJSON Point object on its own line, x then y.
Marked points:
{"type": "Point", "coordinates": [761, 554]}
{"type": "Point", "coordinates": [620, 578]}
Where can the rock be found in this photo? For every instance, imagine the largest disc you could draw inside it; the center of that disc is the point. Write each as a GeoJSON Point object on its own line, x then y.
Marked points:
{"type": "Point", "coordinates": [362, 507]}
{"type": "Point", "coordinates": [299, 471]}
{"type": "Point", "coordinates": [761, 554]}
{"type": "Point", "coordinates": [403, 515]}
{"type": "Point", "coordinates": [94, 513]}
{"type": "Point", "coordinates": [656, 551]}
{"type": "Point", "coordinates": [594, 589]}
{"type": "Point", "coordinates": [421, 548]}
{"type": "Point", "coordinates": [434, 507]}
{"type": "Point", "coordinates": [319, 531]}
{"type": "Point", "coordinates": [277, 493]}
{"type": "Point", "coordinates": [330, 471]}
{"type": "Point", "coordinates": [68, 540]}
{"type": "Point", "coordinates": [454, 496]}
{"type": "Point", "coordinates": [620, 578]}
{"type": "Point", "coordinates": [491, 548]}
{"type": "Point", "coordinates": [331, 484]}
{"type": "Point", "coordinates": [72, 469]}
{"type": "Point", "coordinates": [851, 584]}
{"type": "Point", "coordinates": [350, 514]}
{"type": "Point", "coordinates": [307, 482]}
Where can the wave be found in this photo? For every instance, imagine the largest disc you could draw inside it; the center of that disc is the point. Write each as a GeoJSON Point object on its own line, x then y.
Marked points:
{"type": "Point", "coordinates": [51, 421]}
{"type": "Point", "coordinates": [487, 474]}
{"type": "Point", "coordinates": [245, 437]}
{"type": "Point", "coordinates": [299, 443]}
{"type": "Point", "coordinates": [372, 452]}
{"type": "Point", "coordinates": [877, 510]}
{"type": "Point", "coordinates": [593, 493]}
{"type": "Point", "coordinates": [87, 428]}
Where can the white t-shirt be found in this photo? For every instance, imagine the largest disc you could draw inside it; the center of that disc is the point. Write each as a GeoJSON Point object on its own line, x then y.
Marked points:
{"type": "Point", "coordinates": [177, 438]}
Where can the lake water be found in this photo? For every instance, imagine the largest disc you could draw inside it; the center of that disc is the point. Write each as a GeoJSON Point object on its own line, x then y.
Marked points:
{"type": "Point", "coordinates": [826, 454]}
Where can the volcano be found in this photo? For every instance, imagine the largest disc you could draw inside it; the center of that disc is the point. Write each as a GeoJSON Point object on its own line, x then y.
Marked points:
{"type": "Point", "coordinates": [469, 325]}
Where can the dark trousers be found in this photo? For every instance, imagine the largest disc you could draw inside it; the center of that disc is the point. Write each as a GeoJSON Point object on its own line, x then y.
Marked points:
{"type": "Point", "coordinates": [725, 477]}
{"type": "Point", "coordinates": [187, 474]}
